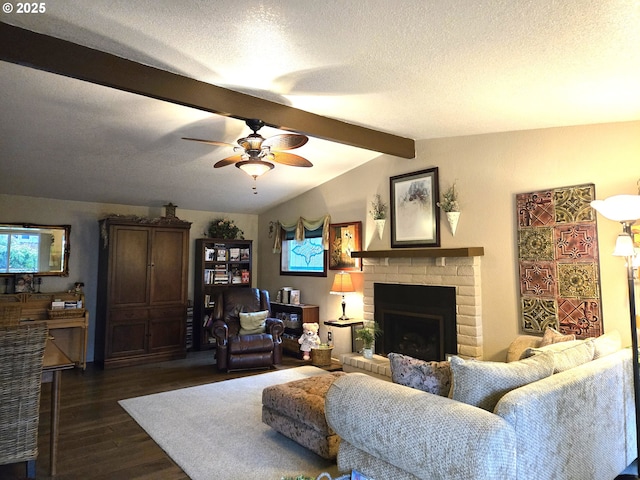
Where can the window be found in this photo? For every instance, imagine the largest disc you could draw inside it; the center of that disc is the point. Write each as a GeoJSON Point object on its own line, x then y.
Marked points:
{"type": "Point", "coordinates": [306, 258]}
{"type": "Point", "coordinates": [19, 252]}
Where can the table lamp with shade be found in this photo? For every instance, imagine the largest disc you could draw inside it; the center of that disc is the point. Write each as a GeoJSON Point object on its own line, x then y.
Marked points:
{"type": "Point", "coordinates": [342, 284]}
{"type": "Point", "coordinates": [626, 210]}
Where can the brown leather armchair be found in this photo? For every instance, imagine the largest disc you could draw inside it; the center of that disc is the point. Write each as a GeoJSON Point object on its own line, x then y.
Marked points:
{"type": "Point", "coordinates": [241, 352]}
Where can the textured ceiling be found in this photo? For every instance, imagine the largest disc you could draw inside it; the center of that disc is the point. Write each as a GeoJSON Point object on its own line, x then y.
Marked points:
{"type": "Point", "coordinates": [415, 68]}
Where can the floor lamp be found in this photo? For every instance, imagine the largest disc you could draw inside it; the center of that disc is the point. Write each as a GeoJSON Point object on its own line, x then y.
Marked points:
{"type": "Point", "coordinates": [626, 210]}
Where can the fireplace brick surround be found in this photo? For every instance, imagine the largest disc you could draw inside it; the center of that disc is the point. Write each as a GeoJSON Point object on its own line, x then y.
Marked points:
{"type": "Point", "coordinates": [463, 273]}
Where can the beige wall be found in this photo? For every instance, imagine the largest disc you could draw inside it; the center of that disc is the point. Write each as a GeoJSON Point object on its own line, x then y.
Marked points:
{"type": "Point", "coordinates": [83, 218]}
{"type": "Point", "coordinates": [489, 170]}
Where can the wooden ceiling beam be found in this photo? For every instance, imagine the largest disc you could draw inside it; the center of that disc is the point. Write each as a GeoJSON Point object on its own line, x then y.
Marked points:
{"type": "Point", "coordinates": [43, 52]}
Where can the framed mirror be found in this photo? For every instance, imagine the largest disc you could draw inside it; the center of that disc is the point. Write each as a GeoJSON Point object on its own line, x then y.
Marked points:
{"type": "Point", "coordinates": [35, 249]}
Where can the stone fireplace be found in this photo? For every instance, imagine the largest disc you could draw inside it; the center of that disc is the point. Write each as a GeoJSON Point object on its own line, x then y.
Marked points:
{"type": "Point", "coordinates": [458, 268]}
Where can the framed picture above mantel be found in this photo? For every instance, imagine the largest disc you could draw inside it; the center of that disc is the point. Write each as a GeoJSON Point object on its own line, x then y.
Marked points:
{"type": "Point", "coordinates": [415, 216]}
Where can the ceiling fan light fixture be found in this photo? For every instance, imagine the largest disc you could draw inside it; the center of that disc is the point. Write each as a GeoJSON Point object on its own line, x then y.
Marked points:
{"type": "Point", "coordinates": [251, 142]}
{"type": "Point", "coordinates": [254, 168]}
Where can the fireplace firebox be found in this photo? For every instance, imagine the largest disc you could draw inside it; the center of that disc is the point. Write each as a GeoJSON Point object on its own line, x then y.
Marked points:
{"type": "Point", "coordinates": [416, 320]}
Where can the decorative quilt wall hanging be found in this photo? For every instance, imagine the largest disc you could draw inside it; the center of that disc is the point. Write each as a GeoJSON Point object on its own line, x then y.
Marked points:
{"type": "Point", "coordinates": [559, 270]}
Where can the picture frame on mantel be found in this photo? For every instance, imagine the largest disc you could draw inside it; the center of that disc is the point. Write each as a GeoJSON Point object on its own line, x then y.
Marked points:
{"type": "Point", "coordinates": [415, 216]}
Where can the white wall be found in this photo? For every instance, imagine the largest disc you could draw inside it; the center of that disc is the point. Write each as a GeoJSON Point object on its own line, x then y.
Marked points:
{"type": "Point", "coordinates": [489, 170]}
{"type": "Point", "coordinates": [83, 218]}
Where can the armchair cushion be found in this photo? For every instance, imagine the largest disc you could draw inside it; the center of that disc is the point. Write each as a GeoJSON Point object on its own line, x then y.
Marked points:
{"type": "Point", "coordinates": [260, 342]}
{"type": "Point", "coordinates": [253, 322]}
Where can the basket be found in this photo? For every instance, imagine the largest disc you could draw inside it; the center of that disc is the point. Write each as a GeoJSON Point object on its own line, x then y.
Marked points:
{"type": "Point", "coordinates": [321, 357]}
{"type": "Point", "coordinates": [65, 313]}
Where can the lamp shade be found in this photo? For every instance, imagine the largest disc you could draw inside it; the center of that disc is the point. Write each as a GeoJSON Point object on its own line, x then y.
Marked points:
{"type": "Point", "coordinates": [621, 208]}
{"type": "Point", "coordinates": [624, 246]}
{"type": "Point", "coordinates": [342, 284]}
{"type": "Point", "coordinates": [254, 167]}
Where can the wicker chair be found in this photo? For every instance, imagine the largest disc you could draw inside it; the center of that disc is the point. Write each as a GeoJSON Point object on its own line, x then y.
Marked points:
{"type": "Point", "coordinates": [21, 355]}
{"type": "Point", "coordinates": [10, 314]}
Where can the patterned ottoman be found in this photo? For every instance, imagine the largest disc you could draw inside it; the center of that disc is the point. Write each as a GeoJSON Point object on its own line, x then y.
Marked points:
{"type": "Point", "coordinates": [296, 410]}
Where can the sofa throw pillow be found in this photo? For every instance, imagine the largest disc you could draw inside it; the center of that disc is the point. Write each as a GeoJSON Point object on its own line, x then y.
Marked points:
{"type": "Point", "coordinates": [433, 377]}
{"type": "Point", "coordinates": [253, 322]}
{"type": "Point", "coordinates": [551, 335]}
{"type": "Point", "coordinates": [607, 344]}
{"type": "Point", "coordinates": [567, 355]}
{"type": "Point", "coordinates": [554, 347]}
{"type": "Point", "coordinates": [483, 384]}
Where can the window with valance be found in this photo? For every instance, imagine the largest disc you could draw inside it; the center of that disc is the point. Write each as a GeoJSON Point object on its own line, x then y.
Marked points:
{"type": "Point", "coordinates": [303, 246]}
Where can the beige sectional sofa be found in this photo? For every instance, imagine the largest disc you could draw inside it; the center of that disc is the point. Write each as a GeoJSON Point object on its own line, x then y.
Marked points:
{"type": "Point", "coordinates": [573, 424]}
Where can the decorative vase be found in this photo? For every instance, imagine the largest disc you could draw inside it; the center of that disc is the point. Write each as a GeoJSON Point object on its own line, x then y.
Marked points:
{"type": "Point", "coordinates": [367, 353]}
{"type": "Point", "coordinates": [452, 218]}
{"type": "Point", "coordinates": [380, 226]}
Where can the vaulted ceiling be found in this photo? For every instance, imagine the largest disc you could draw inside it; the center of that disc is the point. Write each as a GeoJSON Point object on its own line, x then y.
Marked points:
{"type": "Point", "coordinates": [411, 69]}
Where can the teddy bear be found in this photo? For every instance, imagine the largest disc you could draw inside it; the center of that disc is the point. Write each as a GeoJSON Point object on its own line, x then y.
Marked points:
{"type": "Point", "coordinates": [309, 339]}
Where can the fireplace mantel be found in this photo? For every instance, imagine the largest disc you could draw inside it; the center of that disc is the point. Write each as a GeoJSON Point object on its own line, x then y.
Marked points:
{"type": "Point", "coordinates": [421, 252]}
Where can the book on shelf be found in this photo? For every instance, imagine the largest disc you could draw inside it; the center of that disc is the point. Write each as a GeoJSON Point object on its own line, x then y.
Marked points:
{"type": "Point", "coordinates": [245, 276]}
{"type": "Point", "coordinates": [209, 254]}
{"type": "Point", "coordinates": [208, 302]}
{"type": "Point", "coordinates": [244, 255]}
{"type": "Point", "coordinates": [234, 254]}
{"type": "Point", "coordinates": [221, 254]}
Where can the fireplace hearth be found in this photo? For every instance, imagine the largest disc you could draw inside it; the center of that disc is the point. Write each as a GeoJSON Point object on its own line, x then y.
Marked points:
{"type": "Point", "coordinates": [416, 320]}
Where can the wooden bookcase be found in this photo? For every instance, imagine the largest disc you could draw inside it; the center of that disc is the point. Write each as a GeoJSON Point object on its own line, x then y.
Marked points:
{"type": "Point", "coordinates": [219, 264]}
{"type": "Point", "coordinates": [293, 329]}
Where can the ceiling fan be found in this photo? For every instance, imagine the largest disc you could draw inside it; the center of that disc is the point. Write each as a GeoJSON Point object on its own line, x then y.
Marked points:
{"type": "Point", "coordinates": [255, 153]}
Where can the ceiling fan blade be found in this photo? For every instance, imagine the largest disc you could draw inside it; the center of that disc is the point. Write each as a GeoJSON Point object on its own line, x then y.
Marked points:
{"type": "Point", "coordinates": [209, 142]}
{"type": "Point", "coordinates": [286, 141]}
{"type": "Point", "coordinates": [227, 161]}
{"type": "Point", "coordinates": [291, 159]}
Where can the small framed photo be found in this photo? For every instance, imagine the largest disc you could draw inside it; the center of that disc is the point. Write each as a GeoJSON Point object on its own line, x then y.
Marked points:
{"type": "Point", "coordinates": [344, 238]}
{"type": "Point", "coordinates": [415, 216]}
{"type": "Point", "coordinates": [23, 283]}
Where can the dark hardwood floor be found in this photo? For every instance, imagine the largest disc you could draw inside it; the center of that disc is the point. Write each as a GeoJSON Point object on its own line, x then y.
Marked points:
{"type": "Point", "coordinates": [98, 440]}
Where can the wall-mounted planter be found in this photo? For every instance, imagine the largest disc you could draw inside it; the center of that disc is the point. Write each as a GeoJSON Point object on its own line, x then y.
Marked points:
{"type": "Point", "coordinates": [380, 226]}
{"type": "Point", "coordinates": [452, 218]}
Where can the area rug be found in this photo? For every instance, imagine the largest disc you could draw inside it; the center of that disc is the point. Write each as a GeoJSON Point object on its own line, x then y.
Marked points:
{"type": "Point", "coordinates": [216, 430]}
{"type": "Point", "coordinates": [559, 264]}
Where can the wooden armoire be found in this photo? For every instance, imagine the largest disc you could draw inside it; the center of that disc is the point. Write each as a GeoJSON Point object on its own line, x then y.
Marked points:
{"type": "Point", "coordinates": [142, 290]}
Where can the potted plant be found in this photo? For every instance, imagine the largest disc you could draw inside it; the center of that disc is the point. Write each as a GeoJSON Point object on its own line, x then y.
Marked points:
{"type": "Point", "coordinates": [225, 228]}
{"type": "Point", "coordinates": [379, 213]}
{"type": "Point", "coordinates": [449, 204]}
{"type": "Point", "coordinates": [368, 337]}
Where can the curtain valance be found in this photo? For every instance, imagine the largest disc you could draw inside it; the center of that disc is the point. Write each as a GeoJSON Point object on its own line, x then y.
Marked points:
{"type": "Point", "coordinates": [299, 226]}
